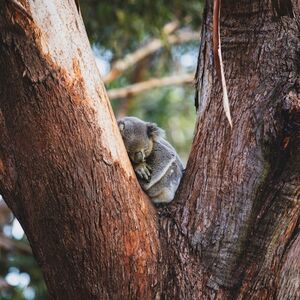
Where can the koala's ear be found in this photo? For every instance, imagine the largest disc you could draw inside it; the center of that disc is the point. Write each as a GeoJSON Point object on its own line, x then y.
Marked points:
{"type": "Point", "coordinates": [154, 131]}
{"type": "Point", "coordinates": [121, 126]}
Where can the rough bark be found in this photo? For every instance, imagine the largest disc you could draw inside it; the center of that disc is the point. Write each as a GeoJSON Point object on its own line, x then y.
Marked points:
{"type": "Point", "coordinates": [241, 188]}
{"type": "Point", "coordinates": [232, 231]}
{"type": "Point", "coordinates": [64, 170]}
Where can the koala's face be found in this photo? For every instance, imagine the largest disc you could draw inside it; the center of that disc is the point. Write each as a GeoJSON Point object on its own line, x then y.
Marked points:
{"type": "Point", "coordinates": [138, 137]}
{"type": "Point", "coordinates": [138, 148]}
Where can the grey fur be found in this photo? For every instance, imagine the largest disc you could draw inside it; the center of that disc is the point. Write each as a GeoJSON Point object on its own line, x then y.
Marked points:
{"type": "Point", "coordinates": [156, 163]}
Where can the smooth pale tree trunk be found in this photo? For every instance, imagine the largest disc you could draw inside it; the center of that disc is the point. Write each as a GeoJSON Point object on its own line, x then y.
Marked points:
{"type": "Point", "coordinates": [232, 231]}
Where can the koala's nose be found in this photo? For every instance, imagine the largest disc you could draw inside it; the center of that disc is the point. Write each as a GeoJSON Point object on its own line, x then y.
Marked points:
{"type": "Point", "coordinates": [139, 156]}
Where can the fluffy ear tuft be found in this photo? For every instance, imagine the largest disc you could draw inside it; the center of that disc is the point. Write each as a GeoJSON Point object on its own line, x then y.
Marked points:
{"type": "Point", "coordinates": [121, 125]}
{"type": "Point", "coordinates": [154, 131]}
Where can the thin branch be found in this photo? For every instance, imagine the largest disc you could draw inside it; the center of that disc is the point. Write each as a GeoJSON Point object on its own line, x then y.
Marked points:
{"type": "Point", "coordinates": [131, 59]}
{"type": "Point", "coordinates": [137, 88]}
{"type": "Point", "coordinates": [11, 245]}
{"type": "Point", "coordinates": [171, 27]}
{"type": "Point", "coordinates": [4, 284]}
{"type": "Point", "coordinates": [5, 213]}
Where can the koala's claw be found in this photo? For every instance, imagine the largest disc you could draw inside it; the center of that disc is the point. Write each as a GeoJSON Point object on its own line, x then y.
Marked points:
{"type": "Point", "coordinates": [143, 171]}
{"type": "Point", "coordinates": [149, 169]}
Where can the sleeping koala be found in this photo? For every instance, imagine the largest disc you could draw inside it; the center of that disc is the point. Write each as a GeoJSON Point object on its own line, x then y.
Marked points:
{"type": "Point", "coordinates": [156, 163]}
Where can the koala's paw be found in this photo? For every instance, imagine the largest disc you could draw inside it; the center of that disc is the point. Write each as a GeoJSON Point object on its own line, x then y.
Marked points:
{"type": "Point", "coordinates": [143, 171]}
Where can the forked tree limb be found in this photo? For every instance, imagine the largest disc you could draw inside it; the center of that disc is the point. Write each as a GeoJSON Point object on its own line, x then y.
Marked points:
{"type": "Point", "coordinates": [232, 231]}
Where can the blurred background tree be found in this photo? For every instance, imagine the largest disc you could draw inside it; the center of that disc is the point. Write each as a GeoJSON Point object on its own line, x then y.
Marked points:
{"type": "Point", "coordinates": [146, 52]}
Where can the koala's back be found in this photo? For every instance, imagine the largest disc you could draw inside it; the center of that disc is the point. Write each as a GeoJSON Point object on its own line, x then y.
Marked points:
{"type": "Point", "coordinates": [166, 174]}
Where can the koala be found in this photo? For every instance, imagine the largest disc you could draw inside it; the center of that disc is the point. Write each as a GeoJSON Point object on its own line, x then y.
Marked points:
{"type": "Point", "coordinates": [155, 162]}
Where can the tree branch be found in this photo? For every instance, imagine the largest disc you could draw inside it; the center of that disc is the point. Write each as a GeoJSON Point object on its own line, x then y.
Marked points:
{"type": "Point", "coordinates": [5, 213]}
{"type": "Point", "coordinates": [137, 88]}
{"type": "Point", "coordinates": [171, 27]}
{"type": "Point", "coordinates": [3, 284]}
{"type": "Point", "coordinates": [151, 47]}
{"type": "Point", "coordinates": [9, 244]}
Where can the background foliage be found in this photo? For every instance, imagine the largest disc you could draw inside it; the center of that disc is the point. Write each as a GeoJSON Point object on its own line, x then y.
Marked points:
{"type": "Point", "coordinates": [117, 28]}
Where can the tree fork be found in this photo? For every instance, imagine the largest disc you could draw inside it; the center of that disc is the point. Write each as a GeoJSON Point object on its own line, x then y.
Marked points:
{"type": "Point", "coordinates": [232, 231]}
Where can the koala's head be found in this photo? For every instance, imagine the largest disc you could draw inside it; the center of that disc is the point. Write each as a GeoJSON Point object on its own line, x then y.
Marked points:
{"type": "Point", "coordinates": [138, 137]}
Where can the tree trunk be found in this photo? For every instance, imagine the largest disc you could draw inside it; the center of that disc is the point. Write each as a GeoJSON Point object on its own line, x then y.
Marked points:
{"type": "Point", "coordinates": [232, 231]}
{"type": "Point", "coordinates": [64, 169]}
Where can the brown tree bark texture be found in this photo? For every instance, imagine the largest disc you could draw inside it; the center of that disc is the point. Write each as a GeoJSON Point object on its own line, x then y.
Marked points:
{"type": "Point", "coordinates": [63, 168]}
{"type": "Point", "coordinates": [240, 195]}
{"type": "Point", "coordinates": [232, 231]}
